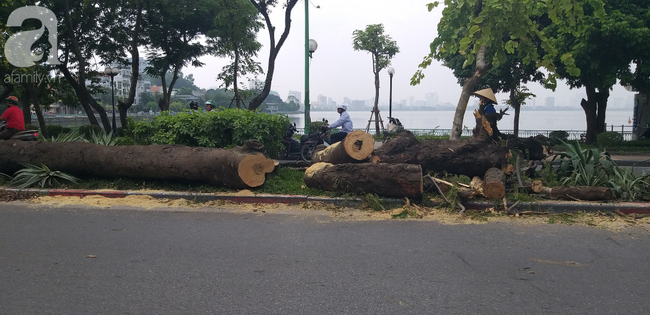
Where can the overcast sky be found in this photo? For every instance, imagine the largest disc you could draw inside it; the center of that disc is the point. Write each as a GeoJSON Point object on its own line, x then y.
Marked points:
{"type": "Point", "coordinates": [338, 71]}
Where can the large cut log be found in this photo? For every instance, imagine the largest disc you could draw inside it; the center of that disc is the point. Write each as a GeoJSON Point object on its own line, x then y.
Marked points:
{"type": "Point", "coordinates": [494, 186]}
{"type": "Point", "coordinates": [390, 180]}
{"type": "Point", "coordinates": [464, 157]}
{"type": "Point", "coordinates": [240, 167]}
{"type": "Point", "coordinates": [355, 147]}
{"type": "Point", "coordinates": [587, 193]}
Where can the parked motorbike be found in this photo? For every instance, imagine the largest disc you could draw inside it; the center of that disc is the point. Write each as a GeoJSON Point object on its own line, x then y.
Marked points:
{"type": "Point", "coordinates": [303, 149]}
{"type": "Point", "coordinates": [25, 135]}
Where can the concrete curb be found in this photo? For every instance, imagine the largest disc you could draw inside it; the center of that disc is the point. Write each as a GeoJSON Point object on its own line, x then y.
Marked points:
{"type": "Point", "coordinates": [545, 206]}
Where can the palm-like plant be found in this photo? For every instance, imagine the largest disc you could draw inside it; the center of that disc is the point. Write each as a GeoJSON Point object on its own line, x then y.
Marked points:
{"type": "Point", "coordinates": [42, 175]}
{"type": "Point", "coordinates": [584, 167]}
{"type": "Point", "coordinates": [628, 185]}
{"type": "Point", "coordinates": [67, 137]}
{"type": "Point", "coordinates": [102, 137]}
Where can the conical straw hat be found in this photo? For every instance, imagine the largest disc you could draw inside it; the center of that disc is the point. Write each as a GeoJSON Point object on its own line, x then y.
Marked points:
{"type": "Point", "coordinates": [487, 93]}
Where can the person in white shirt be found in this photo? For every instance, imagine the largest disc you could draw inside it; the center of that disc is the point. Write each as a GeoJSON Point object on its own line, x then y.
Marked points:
{"type": "Point", "coordinates": [344, 122]}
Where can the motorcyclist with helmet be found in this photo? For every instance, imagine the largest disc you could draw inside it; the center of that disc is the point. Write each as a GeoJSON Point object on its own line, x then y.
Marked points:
{"type": "Point", "coordinates": [344, 122]}
{"type": "Point", "coordinates": [13, 115]}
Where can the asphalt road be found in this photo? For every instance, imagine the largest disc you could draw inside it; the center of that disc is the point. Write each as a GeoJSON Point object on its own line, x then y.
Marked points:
{"type": "Point", "coordinates": [155, 262]}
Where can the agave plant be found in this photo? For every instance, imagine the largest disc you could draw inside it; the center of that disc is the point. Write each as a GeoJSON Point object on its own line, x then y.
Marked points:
{"type": "Point", "coordinates": [584, 167]}
{"type": "Point", "coordinates": [67, 137]}
{"type": "Point", "coordinates": [628, 185]}
{"type": "Point", "coordinates": [102, 137]}
{"type": "Point", "coordinates": [42, 175]}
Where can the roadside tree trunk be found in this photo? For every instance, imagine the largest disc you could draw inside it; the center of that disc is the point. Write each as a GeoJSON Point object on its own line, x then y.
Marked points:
{"type": "Point", "coordinates": [468, 88]}
{"type": "Point", "coordinates": [355, 147]}
{"type": "Point", "coordinates": [463, 157]}
{"type": "Point", "coordinates": [240, 167]}
{"type": "Point", "coordinates": [390, 180]}
{"type": "Point", "coordinates": [586, 193]}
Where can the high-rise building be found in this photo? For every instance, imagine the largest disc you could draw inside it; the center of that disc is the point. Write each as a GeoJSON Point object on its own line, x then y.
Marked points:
{"type": "Point", "coordinates": [295, 94]}
{"type": "Point", "coordinates": [431, 99]}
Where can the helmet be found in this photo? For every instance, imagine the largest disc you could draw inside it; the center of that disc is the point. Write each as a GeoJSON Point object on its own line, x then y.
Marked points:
{"type": "Point", "coordinates": [343, 107]}
{"type": "Point", "coordinates": [194, 105]}
{"type": "Point", "coordinates": [210, 102]}
{"type": "Point", "coordinates": [13, 100]}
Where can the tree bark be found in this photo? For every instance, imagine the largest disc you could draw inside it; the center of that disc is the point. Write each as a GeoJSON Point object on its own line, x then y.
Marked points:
{"type": "Point", "coordinates": [494, 186]}
{"type": "Point", "coordinates": [240, 167]}
{"type": "Point", "coordinates": [587, 193]}
{"type": "Point", "coordinates": [464, 157]}
{"type": "Point", "coordinates": [356, 146]}
{"type": "Point", "coordinates": [390, 180]}
{"type": "Point", "coordinates": [262, 7]}
{"type": "Point", "coordinates": [468, 88]}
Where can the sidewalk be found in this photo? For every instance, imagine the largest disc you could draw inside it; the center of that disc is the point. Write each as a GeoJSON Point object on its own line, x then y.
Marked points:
{"type": "Point", "coordinates": [550, 206]}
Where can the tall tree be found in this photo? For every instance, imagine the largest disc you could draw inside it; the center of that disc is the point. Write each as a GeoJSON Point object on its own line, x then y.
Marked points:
{"type": "Point", "coordinates": [124, 23]}
{"type": "Point", "coordinates": [235, 36]}
{"type": "Point", "coordinates": [382, 48]}
{"type": "Point", "coordinates": [476, 29]}
{"type": "Point", "coordinates": [604, 53]}
{"type": "Point", "coordinates": [173, 30]}
{"type": "Point", "coordinates": [79, 31]}
{"type": "Point", "coordinates": [264, 8]}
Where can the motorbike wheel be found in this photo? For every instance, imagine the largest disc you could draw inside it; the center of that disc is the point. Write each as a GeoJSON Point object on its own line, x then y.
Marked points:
{"type": "Point", "coordinates": [283, 153]}
{"type": "Point", "coordinates": [306, 152]}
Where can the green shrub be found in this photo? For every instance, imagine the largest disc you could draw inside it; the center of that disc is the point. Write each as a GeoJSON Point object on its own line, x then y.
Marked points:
{"type": "Point", "coordinates": [225, 128]}
{"type": "Point", "coordinates": [558, 135]}
{"type": "Point", "coordinates": [314, 126]}
{"type": "Point", "coordinates": [56, 130]}
{"type": "Point", "coordinates": [32, 127]}
{"type": "Point", "coordinates": [609, 139]}
{"type": "Point", "coordinates": [87, 131]}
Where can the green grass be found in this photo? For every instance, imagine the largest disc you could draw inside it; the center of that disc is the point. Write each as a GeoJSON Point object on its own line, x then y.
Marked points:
{"type": "Point", "coordinates": [287, 181]}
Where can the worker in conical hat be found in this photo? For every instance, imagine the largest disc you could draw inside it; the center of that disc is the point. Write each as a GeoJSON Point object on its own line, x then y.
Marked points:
{"type": "Point", "coordinates": [486, 108]}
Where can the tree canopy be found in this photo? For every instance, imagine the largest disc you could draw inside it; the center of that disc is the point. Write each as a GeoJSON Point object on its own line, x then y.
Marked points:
{"type": "Point", "coordinates": [484, 32]}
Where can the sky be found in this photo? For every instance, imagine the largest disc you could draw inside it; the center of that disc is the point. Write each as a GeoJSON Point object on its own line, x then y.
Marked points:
{"type": "Point", "coordinates": [338, 71]}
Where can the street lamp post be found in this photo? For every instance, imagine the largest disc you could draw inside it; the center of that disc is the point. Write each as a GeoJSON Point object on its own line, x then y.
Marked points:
{"type": "Point", "coordinates": [310, 47]}
{"type": "Point", "coordinates": [112, 72]}
{"type": "Point", "coordinates": [391, 71]}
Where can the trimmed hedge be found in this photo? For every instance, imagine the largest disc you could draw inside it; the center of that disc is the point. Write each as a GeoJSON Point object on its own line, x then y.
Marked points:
{"type": "Point", "coordinates": [224, 128]}
{"type": "Point", "coordinates": [609, 139]}
{"type": "Point", "coordinates": [55, 130]}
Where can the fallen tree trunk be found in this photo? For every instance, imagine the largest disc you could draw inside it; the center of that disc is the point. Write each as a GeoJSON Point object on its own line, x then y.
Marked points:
{"type": "Point", "coordinates": [463, 157]}
{"type": "Point", "coordinates": [390, 180]}
{"type": "Point", "coordinates": [355, 147]}
{"type": "Point", "coordinates": [240, 167]}
{"type": "Point", "coordinates": [587, 193]}
{"type": "Point", "coordinates": [533, 186]}
{"type": "Point", "coordinates": [494, 186]}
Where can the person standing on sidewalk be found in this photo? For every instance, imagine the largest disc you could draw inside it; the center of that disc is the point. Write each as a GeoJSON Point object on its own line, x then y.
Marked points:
{"type": "Point", "coordinates": [344, 121]}
{"type": "Point", "coordinates": [13, 115]}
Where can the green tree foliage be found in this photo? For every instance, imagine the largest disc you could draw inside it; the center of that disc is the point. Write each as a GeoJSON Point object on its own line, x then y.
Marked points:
{"type": "Point", "coordinates": [235, 36]}
{"type": "Point", "coordinates": [216, 129]}
{"type": "Point", "coordinates": [173, 30]}
{"type": "Point", "coordinates": [382, 48]}
{"type": "Point", "coordinates": [604, 53]}
{"type": "Point", "coordinates": [264, 8]}
{"type": "Point", "coordinates": [486, 31]}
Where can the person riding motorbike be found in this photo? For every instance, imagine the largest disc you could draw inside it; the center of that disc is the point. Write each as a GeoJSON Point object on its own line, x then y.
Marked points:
{"type": "Point", "coordinates": [209, 105]}
{"type": "Point", "coordinates": [344, 122]}
{"type": "Point", "coordinates": [14, 117]}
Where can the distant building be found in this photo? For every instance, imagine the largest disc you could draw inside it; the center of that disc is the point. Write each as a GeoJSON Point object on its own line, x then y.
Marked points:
{"type": "Point", "coordinates": [295, 94]}
{"type": "Point", "coordinates": [550, 101]}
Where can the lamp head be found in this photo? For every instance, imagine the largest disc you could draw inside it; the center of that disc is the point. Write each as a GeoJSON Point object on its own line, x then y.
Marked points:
{"type": "Point", "coordinates": [313, 45]}
{"type": "Point", "coordinates": [391, 71]}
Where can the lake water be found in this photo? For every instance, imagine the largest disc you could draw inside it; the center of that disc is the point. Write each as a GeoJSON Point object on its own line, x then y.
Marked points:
{"type": "Point", "coordinates": [529, 120]}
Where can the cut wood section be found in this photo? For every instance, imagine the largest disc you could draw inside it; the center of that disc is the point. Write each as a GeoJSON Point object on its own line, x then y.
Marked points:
{"type": "Point", "coordinates": [494, 186]}
{"type": "Point", "coordinates": [586, 193]}
{"type": "Point", "coordinates": [533, 186]}
{"type": "Point", "coordinates": [390, 180]}
{"type": "Point", "coordinates": [356, 146]}
{"type": "Point", "coordinates": [240, 167]}
{"type": "Point", "coordinates": [463, 157]}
